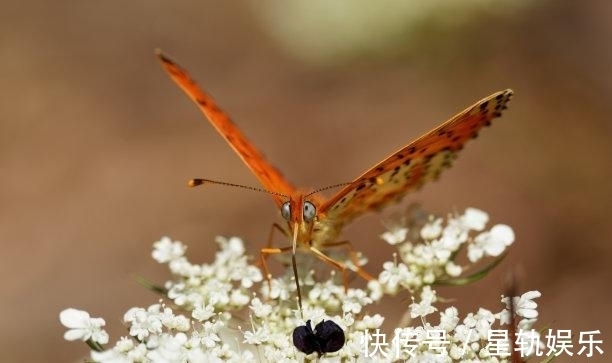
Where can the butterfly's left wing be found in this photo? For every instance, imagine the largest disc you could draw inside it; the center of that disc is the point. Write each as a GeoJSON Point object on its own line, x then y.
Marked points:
{"type": "Point", "coordinates": [268, 175]}
{"type": "Point", "coordinates": [413, 165]}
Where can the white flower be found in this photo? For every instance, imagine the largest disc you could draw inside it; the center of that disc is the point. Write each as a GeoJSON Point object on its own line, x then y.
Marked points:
{"type": "Point", "coordinates": [441, 253]}
{"type": "Point", "coordinates": [312, 313]}
{"type": "Point", "coordinates": [393, 275]}
{"type": "Point", "coordinates": [348, 320]}
{"type": "Point", "coordinates": [327, 294]}
{"type": "Point", "coordinates": [429, 294]}
{"type": "Point", "coordinates": [376, 290]}
{"type": "Point", "coordinates": [492, 243]}
{"type": "Point", "coordinates": [165, 250]}
{"type": "Point", "coordinates": [138, 354]}
{"type": "Point", "coordinates": [260, 309]}
{"type": "Point", "coordinates": [432, 229]}
{"type": "Point", "coordinates": [169, 349]}
{"type": "Point", "coordinates": [470, 320]}
{"type": "Point", "coordinates": [203, 312]}
{"type": "Point", "coordinates": [259, 336]}
{"type": "Point", "coordinates": [231, 249]}
{"type": "Point", "coordinates": [456, 352]}
{"type": "Point", "coordinates": [239, 298]}
{"type": "Point", "coordinates": [449, 319]}
{"type": "Point", "coordinates": [355, 300]}
{"type": "Point", "coordinates": [279, 289]}
{"type": "Point", "coordinates": [453, 269]}
{"type": "Point", "coordinates": [179, 323]}
{"type": "Point", "coordinates": [453, 235]}
{"type": "Point", "coordinates": [124, 344]}
{"type": "Point", "coordinates": [247, 275]}
{"type": "Point", "coordinates": [218, 292]}
{"type": "Point", "coordinates": [371, 322]}
{"type": "Point", "coordinates": [504, 316]}
{"type": "Point", "coordinates": [123, 351]}
{"type": "Point", "coordinates": [180, 266]}
{"type": "Point", "coordinates": [144, 322]}
{"type": "Point", "coordinates": [176, 292]}
{"type": "Point", "coordinates": [483, 320]}
{"type": "Point", "coordinates": [422, 309]}
{"type": "Point", "coordinates": [465, 334]}
{"type": "Point", "coordinates": [82, 326]}
{"type": "Point", "coordinates": [395, 236]}
{"type": "Point", "coordinates": [474, 219]}
{"type": "Point", "coordinates": [524, 305]}
{"type": "Point", "coordinates": [209, 336]}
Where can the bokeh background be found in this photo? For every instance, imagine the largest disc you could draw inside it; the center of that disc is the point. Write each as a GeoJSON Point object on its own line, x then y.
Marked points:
{"type": "Point", "coordinates": [96, 144]}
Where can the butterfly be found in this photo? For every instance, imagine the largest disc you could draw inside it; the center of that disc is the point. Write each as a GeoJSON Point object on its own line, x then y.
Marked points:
{"type": "Point", "coordinates": [313, 222]}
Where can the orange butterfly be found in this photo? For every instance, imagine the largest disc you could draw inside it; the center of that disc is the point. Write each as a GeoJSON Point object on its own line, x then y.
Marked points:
{"type": "Point", "coordinates": [315, 222]}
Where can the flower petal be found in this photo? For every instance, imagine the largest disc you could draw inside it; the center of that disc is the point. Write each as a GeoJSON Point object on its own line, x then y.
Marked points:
{"type": "Point", "coordinates": [74, 318]}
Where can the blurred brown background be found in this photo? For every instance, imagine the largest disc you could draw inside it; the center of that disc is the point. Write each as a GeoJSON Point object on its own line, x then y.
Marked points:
{"type": "Point", "coordinates": [97, 144]}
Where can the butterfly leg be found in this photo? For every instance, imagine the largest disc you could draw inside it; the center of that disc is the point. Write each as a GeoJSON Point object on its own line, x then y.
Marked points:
{"type": "Point", "coordinates": [270, 250]}
{"type": "Point", "coordinates": [263, 258]}
{"type": "Point", "coordinates": [353, 255]}
{"type": "Point", "coordinates": [337, 264]}
{"type": "Point", "coordinates": [265, 252]}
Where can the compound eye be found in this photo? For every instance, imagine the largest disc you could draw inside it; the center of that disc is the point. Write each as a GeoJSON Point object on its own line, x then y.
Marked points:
{"type": "Point", "coordinates": [310, 211]}
{"type": "Point", "coordinates": [286, 211]}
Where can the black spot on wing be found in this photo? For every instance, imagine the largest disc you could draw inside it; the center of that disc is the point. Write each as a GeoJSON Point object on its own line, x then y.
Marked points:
{"type": "Point", "coordinates": [394, 172]}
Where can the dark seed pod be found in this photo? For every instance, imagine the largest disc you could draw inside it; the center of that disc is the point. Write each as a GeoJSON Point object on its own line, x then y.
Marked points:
{"type": "Point", "coordinates": [327, 337]}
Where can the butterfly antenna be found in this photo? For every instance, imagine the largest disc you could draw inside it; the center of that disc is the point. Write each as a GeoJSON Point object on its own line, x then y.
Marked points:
{"type": "Point", "coordinates": [195, 182]}
{"type": "Point", "coordinates": [326, 188]}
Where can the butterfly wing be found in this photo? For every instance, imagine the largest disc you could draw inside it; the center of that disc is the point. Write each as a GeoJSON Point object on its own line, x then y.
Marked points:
{"type": "Point", "coordinates": [267, 174]}
{"type": "Point", "coordinates": [413, 165]}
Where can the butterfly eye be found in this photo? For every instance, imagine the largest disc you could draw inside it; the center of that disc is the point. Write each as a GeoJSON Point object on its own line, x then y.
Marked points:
{"type": "Point", "coordinates": [310, 211]}
{"type": "Point", "coordinates": [286, 211]}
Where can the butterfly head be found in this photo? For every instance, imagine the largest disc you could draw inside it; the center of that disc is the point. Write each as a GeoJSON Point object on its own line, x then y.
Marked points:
{"type": "Point", "coordinates": [299, 213]}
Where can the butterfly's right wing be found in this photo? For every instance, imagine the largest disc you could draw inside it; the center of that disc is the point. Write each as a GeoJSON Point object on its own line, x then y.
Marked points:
{"type": "Point", "coordinates": [268, 175]}
{"type": "Point", "coordinates": [410, 167]}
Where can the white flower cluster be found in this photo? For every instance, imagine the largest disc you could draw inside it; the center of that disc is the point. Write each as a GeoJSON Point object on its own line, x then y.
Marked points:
{"type": "Point", "coordinates": [467, 339]}
{"type": "Point", "coordinates": [83, 327]}
{"type": "Point", "coordinates": [429, 256]}
{"type": "Point", "coordinates": [226, 312]}
{"type": "Point", "coordinates": [207, 288]}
